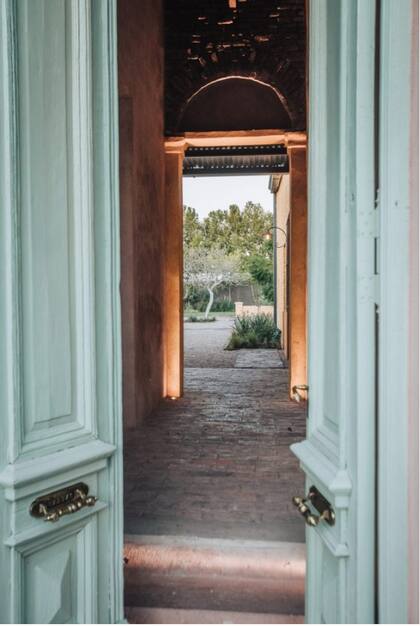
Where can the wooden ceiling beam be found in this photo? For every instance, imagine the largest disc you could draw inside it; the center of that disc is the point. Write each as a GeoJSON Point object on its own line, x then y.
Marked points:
{"type": "Point", "coordinates": [235, 138]}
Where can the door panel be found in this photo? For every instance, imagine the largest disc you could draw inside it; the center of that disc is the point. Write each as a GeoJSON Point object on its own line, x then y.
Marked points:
{"type": "Point", "coordinates": [56, 221]}
{"type": "Point", "coordinates": [60, 399]}
{"type": "Point", "coordinates": [330, 223]}
{"type": "Point", "coordinates": [45, 217]}
{"type": "Point", "coordinates": [59, 578]}
{"type": "Point", "coordinates": [338, 454]}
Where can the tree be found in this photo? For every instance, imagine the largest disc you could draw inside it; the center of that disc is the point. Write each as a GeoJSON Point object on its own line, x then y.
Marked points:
{"type": "Point", "coordinates": [262, 272]}
{"type": "Point", "coordinates": [193, 228]}
{"type": "Point", "coordinates": [235, 233]}
{"type": "Point", "coordinates": [210, 268]}
{"type": "Point", "coordinates": [238, 232]}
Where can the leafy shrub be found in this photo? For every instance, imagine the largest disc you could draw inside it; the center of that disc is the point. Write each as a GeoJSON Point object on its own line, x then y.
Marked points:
{"type": "Point", "coordinates": [262, 271]}
{"type": "Point", "coordinates": [223, 306]}
{"type": "Point", "coordinates": [235, 342]}
{"type": "Point", "coordinates": [194, 318]}
{"type": "Point", "coordinates": [197, 299]}
{"type": "Point", "coordinates": [254, 331]}
{"type": "Point", "coordinates": [219, 306]}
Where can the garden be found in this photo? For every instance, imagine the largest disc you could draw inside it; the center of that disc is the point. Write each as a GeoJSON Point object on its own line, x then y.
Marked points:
{"type": "Point", "coordinates": [226, 249]}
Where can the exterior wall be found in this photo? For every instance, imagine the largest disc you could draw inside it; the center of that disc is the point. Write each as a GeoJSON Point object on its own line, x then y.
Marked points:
{"type": "Point", "coordinates": [173, 277]}
{"type": "Point", "coordinates": [142, 166]}
{"type": "Point", "coordinates": [298, 267]}
{"type": "Point", "coordinates": [282, 208]}
{"type": "Point", "coordinates": [262, 309]}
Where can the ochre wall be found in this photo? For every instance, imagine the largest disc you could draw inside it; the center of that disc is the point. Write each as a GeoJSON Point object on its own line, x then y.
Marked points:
{"type": "Point", "coordinates": [298, 267]}
{"type": "Point", "coordinates": [173, 279]}
{"type": "Point", "coordinates": [282, 215]}
{"type": "Point", "coordinates": [142, 166]}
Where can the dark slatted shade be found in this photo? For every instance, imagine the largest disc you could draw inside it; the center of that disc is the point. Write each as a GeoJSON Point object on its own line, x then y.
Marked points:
{"type": "Point", "coordinates": [222, 161]}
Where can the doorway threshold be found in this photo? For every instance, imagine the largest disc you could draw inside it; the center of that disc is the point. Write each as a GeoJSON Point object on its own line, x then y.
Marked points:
{"type": "Point", "coordinates": [188, 576]}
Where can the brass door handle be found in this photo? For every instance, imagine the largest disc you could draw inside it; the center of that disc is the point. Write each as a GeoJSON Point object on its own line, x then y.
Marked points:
{"type": "Point", "coordinates": [304, 510]}
{"type": "Point", "coordinates": [64, 502]}
{"type": "Point", "coordinates": [324, 508]}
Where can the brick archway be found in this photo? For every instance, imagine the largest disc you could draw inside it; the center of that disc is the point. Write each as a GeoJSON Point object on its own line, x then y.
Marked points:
{"type": "Point", "coordinates": [207, 41]}
{"type": "Point", "coordinates": [234, 103]}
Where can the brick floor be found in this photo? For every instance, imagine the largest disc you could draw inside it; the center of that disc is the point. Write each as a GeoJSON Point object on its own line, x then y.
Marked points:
{"type": "Point", "coordinates": [217, 463]}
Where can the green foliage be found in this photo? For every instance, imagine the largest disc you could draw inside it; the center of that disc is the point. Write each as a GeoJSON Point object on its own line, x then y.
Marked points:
{"type": "Point", "coordinates": [193, 232]}
{"type": "Point", "coordinates": [261, 270]}
{"type": "Point", "coordinates": [223, 306]}
{"type": "Point", "coordinates": [254, 331]}
{"type": "Point", "coordinates": [232, 231]}
{"type": "Point", "coordinates": [219, 306]}
{"type": "Point", "coordinates": [209, 269]}
{"type": "Point", "coordinates": [194, 318]}
{"type": "Point", "coordinates": [197, 298]}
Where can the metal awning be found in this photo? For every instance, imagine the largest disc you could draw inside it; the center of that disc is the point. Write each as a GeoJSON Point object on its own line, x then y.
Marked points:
{"type": "Point", "coordinates": [225, 160]}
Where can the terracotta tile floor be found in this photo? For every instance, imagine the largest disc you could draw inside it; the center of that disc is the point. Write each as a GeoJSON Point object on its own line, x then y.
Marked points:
{"type": "Point", "coordinates": [217, 463]}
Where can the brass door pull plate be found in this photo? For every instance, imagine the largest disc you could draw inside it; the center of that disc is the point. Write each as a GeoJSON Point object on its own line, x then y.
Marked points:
{"type": "Point", "coordinates": [58, 503]}
{"type": "Point", "coordinates": [324, 508]}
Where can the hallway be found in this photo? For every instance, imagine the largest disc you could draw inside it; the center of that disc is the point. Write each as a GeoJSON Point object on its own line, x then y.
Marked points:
{"type": "Point", "coordinates": [211, 532]}
{"type": "Point", "coordinates": [216, 463]}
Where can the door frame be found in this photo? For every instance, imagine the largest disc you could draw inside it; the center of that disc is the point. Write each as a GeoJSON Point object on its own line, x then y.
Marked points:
{"type": "Point", "coordinates": [175, 148]}
{"type": "Point", "coordinates": [105, 134]}
{"type": "Point", "coordinates": [398, 318]}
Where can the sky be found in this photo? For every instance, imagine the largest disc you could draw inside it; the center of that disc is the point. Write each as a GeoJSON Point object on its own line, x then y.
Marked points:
{"type": "Point", "coordinates": [207, 193]}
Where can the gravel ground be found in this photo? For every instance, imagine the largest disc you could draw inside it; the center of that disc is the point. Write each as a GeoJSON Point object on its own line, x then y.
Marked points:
{"type": "Point", "coordinates": [204, 343]}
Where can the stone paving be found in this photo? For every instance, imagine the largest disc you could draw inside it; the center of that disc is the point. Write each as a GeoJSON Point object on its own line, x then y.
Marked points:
{"type": "Point", "coordinates": [259, 359]}
{"type": "Point", "coordinates": [216, 463]}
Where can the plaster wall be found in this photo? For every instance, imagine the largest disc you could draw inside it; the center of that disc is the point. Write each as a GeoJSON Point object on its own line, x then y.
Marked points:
{"type": "Point", "coordinates": [298, 266]}
{"type": "Point", "coordinates": [173, 278]}
{"type": "Point", "coordinates": [142, 179]}
{"type": "Point", "coordinates": [282, 216]}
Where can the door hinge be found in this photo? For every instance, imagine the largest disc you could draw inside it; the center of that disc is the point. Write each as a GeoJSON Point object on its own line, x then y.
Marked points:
{"type": "Point", "coordinates": [376, 250]}
{"type": "Point", "coordinates": [376, 235]}
{"type": "Point", "coordinates": [369, 255]}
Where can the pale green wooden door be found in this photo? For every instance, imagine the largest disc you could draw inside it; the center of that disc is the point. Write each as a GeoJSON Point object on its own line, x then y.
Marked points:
{"type": "Point", "coordinates": [338, 455]}
{"type": "Point", "coordinates": [60, 413]}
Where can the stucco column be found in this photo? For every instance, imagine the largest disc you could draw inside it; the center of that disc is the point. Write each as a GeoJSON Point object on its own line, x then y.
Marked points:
{"type": "Point", "coordinates": [298, 267]}
{"type": "Point", "coordinates": [173, 283]}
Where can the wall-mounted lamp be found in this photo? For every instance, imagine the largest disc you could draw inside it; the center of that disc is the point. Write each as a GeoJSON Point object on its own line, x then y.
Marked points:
{"type": "Point", "coordinates": [269, 236]}
{"type": "Point", "coordinates": [295, 392]}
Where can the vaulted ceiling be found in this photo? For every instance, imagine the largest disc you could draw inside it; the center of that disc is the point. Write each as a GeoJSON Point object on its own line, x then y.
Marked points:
{"type": "Point", "coordinates": [207, 40]}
